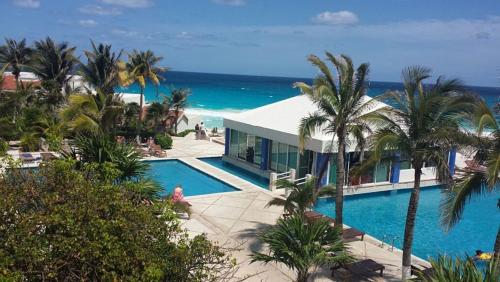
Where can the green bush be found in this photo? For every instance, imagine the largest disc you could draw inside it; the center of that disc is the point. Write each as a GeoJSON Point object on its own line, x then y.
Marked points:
{"type": "Point", "coordinates": [4, 146]}
{"type": "Point", "coordinates": [59, 223]}
{"type": "Point", "coordinates": [165, 141]}
{"type": "Point", "coordinates": [185, 132]}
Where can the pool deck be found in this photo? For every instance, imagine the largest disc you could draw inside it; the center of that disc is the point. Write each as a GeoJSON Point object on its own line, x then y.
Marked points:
{"type": "Point", "coordinates": [233, 219]}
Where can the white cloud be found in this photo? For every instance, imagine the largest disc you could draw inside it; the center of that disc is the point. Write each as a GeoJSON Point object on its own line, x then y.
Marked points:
{"type": "Point", "coordinates": [87, 23]}
{"type": "Point", "coordinates": [27, 3]}
{"type": "Point", "coordinates": [230, 2]}
{"type": "Point", "coordinates": [99, 10]}
{"type": "Point", "coordinates": [129, 3]}
{"type": "Point", "coordinates": [336, 18]}
{"type": "Point", "coordinates": [184, 35]}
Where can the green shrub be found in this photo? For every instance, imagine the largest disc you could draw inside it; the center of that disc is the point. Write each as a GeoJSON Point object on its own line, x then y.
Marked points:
{"type": "Point", "coordinates": [185, 132]}
{"type": "Point", "coordinates": [165, 141]}
{"type": "Point", "coordinates": [4, 146]}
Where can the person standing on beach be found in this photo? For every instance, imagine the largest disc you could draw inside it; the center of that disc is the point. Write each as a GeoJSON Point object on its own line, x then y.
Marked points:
{"type": "Point", "coordinates": [197, 131]}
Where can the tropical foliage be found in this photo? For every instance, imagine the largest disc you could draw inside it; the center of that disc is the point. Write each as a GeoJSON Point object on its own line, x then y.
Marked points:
{"type": "Point", "coordinates": [301, 197]}
{"type": "Point", "coordinates": [423, 126]}
{"type": "Point", "coordinates": [302, 245]}
{"type": "Point", "coordinates": [179, 102]}
{"type": "Point", "coordinates": [483, 177]}
{"type": "Point", "coordinates": [60, 223]}
{"type": "Point", "coordinates": [343, 108]}
{"type": "Point", "coordinates": [15, 55]}
{"type": "Point", "coordinates": [461, 270]}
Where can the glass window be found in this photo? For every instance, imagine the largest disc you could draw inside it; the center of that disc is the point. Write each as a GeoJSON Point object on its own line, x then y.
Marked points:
{"type": "Point", "coordinates": [258, 150]}
{"type": "Point", "coordinates": [233, 143]}
{"type": "Point", "coordinates": [242, 145]}
{"type": "Point", "coordinates": [382, 171]}
{"type": "Point", "coordinates": [274, 155]}
{"type": "Point", "coordinates": [292, 157]}
{"type": "Point", "coordinates": [250, 154]}
{"type": "Point", "coordinates": [305, 163]}
{"type": "Point", "coordinates": [282, 157]}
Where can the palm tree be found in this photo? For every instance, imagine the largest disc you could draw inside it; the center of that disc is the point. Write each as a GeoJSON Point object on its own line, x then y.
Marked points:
{"type": "Point", "coordinates": [458, 270]}
{"type": "Point", "coordinates": [142, 66]}
{"type": "Point", "coordinates": [101, 70]}
{"type": "Point", "coordinates": [53, 63]}
{"type": "Point", "coordinates": [94, 113]}
{"type": "Point", "coordinates": [179, 102]}
{"type": "Point", "coordinates": [478, 180]}
{"type": "Point", "coordinates": [342, 109]}
{"type": "Point", "coordinates": [302, 197]}
{"type": "Point", "coordinates": [158, 113]}
{"type": "Point", "coordinates": [16, 55]}
{"type": "Point", "coordinates": [301, 245]}
{"type": "Point", "coordinates": [423, 125]}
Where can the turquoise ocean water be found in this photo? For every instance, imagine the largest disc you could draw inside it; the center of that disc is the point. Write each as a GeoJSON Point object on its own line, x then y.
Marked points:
{"type": "Point", "coordinates": [214, 96]}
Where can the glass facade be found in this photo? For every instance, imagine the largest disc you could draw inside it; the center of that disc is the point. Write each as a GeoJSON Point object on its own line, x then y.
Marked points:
{"type": "Point", "coordinates": [258, 150]}
{"type": "Point", "coordinates": [305, 163]}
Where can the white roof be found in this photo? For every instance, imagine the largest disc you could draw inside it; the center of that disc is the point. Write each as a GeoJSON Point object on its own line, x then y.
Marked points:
{"type": "Point", "coordinates": [280, 122]}
{"type": "Point", "coordinates": [131, 98]}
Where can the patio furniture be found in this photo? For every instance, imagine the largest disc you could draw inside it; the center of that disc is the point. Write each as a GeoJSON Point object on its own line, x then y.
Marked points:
{"type": "Point", "coordinates": [47, 156]}
{"type": "Point", "coordinates": [26, 157]}
{"type": "Point", "coordinates": [363, 267]}
{"type": "Point", "coordinates": [352, 233]}
{"type": "Point", "coordinates": [426, 271]}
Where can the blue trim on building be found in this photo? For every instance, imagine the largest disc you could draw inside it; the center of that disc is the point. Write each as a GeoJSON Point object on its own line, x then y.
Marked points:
{"type": "Point", "coordinates": [264, 159]}
{"type": "Point", "coordinates": [226, 141]}
{"type": "Point", "coordinates": [451, 161]}
{"type": "Point", "coordinates": [395, 168]}
{"type": "Point", "coordinates": [321, 158]}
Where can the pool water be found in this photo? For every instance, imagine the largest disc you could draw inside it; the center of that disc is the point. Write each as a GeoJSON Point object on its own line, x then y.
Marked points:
{"type": "Point", "coordinates": [194, 182]}
{"type": "Point", "coordinates": [383, 215]}
{"type": "Point", "coordinates": [241, 173]}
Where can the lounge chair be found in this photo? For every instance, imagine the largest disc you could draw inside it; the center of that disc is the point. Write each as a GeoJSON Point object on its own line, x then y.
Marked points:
{"type": "Point", "coordinates": [426, 271]}
{"type": "Point", "coordinates": [352, 233]}
{"type": "Point", "coordinates": [363, 267]}
{"type": "Point", "coordinates": [27, 158]}
{"type": "Point", "coordinates": [47, 156]}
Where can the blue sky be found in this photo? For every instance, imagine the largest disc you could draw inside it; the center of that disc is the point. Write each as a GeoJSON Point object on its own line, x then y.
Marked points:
{"type": "Point", "coordinates": [273, 37]}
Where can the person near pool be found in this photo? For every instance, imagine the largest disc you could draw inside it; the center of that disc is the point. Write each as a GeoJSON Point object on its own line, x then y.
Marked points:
{"type": "Point", "coordinates": [178, 196]}
{"type": "Point", "coordinates": [197, 131]}
{"type": "Point", "coordinates": [480, 255]}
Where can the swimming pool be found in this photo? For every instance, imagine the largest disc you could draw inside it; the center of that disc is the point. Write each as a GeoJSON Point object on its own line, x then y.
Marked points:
{"type": "Point", "coordinates": [194, 182]}
{"type": "Point", "coordinates": [248, 176]}
{"type": "Point", "coordinates": [383, 214]}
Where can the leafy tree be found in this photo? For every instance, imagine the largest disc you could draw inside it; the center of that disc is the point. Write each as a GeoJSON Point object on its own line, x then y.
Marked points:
{"type": "Point", "coordinates": [16, 55]}
{"type": "Point", "coordinates": [302, 245]}
{"type": "Point", "coordinates": [475, 181]}
{"type": "Point", "coordinates": [179, 102]}
{"type": "Point", "coordinates": [96, 113]}
{"type": "Point", "coordinates": [141, 67]}
{"type": "Point", "coordinates": [302, 197]}
{"type": "Point", "coordinates": [460, 270]}
{"type": "Point", "coordinates": [53, 63]}
{"type": "Point", "coordinates": [58, 223]}
{"type": "Point", "coordinates": [101, 70]}
{"type": "Point", "coordinates": [342, 111]}
{"type": "Point", "coordinates": [424, 126]}
{"type": "Point", "coordinates": [158, 113]}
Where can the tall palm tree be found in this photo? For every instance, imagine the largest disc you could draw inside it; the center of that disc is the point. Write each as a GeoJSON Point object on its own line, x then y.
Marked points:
{"type": "Point", "coordinates": [53, 63]}
{"type": "Point", "coordinates": [158, 113]}
{"type": "Point", "coordinates": [16, 55]}
{"type": "Point", "coordinates": [94, 113]}
{"type": "Point", "coordinates": [141, 67]}
{"type": "Point", "coordinates": [302, 197]}
{"type": "Point", "coordinates": [342, 111]}
{"type": "Point", "coordinates": [101, 70]}
{"type": "Point", "coordinates": [178, 100]}
{"type": "Point", "coordinates": [301, 245]}
{"type": "Point", "coordinates": [475, 181]}
{"type": "Point", "coordinates": [423, 125]}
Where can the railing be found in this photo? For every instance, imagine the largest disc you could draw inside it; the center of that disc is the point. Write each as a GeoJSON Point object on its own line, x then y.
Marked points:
{"type": "Point", "coordinates": [301, 181]}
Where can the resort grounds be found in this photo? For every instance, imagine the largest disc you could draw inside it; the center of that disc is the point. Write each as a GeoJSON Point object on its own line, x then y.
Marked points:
{"type": "Point", "coordinates": [233, 219]}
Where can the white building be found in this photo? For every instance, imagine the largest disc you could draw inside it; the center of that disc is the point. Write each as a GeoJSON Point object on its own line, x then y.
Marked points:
{"type": "Point", "coordinates": [265, 140]}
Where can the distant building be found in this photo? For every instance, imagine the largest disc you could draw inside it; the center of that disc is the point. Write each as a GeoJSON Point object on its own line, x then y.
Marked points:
{"type": "Point", "coordinates": [265, 140]}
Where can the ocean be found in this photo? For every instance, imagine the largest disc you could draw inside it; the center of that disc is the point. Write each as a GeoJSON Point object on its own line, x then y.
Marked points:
{"type": "Point", "coordinates": [214, 96]}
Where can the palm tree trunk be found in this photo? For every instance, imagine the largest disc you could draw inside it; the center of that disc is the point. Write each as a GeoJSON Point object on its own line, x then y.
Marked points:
{"type": "Point", "coordinates": [410, 224]}
{"type": "Point", "coordinates": [302, 276]}
{"type": "Point", "coordinates": [339, 186]}
{"type": "Point", "coordinates": [139, 125]}
{"type": "Point", "coordinates": [176, 119]}
{"type": "Point", "coordinates": [496, 248]}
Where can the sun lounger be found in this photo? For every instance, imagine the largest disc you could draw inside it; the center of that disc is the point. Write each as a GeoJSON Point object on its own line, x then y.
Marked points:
{"type": "Point", "coordinates": [27, 158]}
{"type": "Point", "coordinates": [47, 156]}
{"type": "Point", "coordinates": [426, 271]}
{"type": "Point", "coordinates": [363, 267]}
{"type": "Point", "coordinates": [351, 233]}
